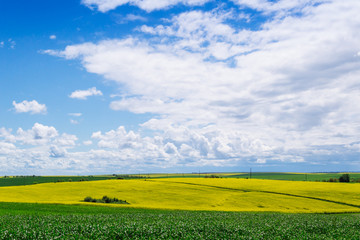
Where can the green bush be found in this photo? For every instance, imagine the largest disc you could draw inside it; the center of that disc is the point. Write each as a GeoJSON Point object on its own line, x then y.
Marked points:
{"type": "Point", "coordinates": [333, 180]}
{"type": "Point", "coordinates": [88, 199]}
{"type": "Point", "coordinates": [212, 176]}
{"type": "Point", "coordinates": [105, 199]}
{"type": "Point", "coordinates": [344, 178]}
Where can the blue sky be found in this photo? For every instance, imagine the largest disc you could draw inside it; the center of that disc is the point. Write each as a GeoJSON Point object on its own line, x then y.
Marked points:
{"type": "Point", "coordinates": [129, 86]}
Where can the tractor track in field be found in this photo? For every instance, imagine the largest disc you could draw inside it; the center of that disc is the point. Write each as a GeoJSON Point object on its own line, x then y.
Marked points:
{"type": "Point", "coordinates": [269, 192]}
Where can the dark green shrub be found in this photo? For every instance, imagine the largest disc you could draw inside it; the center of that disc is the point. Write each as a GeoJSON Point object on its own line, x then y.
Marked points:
{"type": "Point", "coordinates": [344, 178]}
{"type": "Point", "coordinates": [88, 199]}
{"type": "Point", "coordinates": [105, 199]}
{"type": "Point", "coordinates": [212, 176]}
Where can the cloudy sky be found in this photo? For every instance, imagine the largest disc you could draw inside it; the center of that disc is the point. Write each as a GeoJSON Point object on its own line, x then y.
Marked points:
{"type": "Point", "coordinates": [129, 86]}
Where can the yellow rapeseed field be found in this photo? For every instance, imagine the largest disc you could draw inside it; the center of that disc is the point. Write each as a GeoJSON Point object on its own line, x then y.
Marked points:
{"type": "Point", "coordinates": [220, 194]}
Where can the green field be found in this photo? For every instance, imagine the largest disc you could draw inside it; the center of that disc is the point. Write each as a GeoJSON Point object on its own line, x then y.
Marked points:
{"type": "Point", "coordinates": [28, 180]}
{"type": "Point", "coordinates": [78, 221]}
{"type": "Point", "coordinates": [44, 221]}
{"type": "Point", "coordinates": [258, 175]}
{"type": "Point", "coordinates": [293, 176]}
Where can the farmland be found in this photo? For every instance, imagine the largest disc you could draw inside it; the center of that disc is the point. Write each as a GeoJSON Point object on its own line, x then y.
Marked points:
{"type": "Point", "coordinates": [47, 221]}
{"type": "Point", "coordinates": [29, 180]}
{"type": "Point", "coordinates": [201, 194]}
{"type": "Point", "coordinates": [255, 175]}
{"type": "Point", "coordinates": [174, 207]}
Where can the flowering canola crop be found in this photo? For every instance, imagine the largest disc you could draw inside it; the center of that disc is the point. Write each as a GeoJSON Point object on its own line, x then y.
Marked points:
{"type": "Point", "coordinates": [219, 194]}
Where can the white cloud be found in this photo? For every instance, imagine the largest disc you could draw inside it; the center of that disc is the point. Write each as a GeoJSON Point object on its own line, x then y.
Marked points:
{"type": "Point", "coordinates": [84, 94]}
{"type": "Point", "coordinates": [130, 18]}
{"type": "Point", "coordinates": [32, 107]}
{"type": "Point", "coordinates": [39, 150]}
{"type": "Point", "coordinates": [12, 43]}
{"type": "Point", "coordinates": [182, 144]}
{"type": "Point", "coordinates": [56, 152]}
{"type": "Point", "coordinates": [220, 92]}
{"type": "Point", "coordinates": [280, 8]}
{"type": "Point", "coordinates": [203, 32]}
{"type": "Point", "coordinates": [52, 37]}
{"type": "Point", "coordinates": [38, 135]}
{"type": "Point", "coordinates": [147, 5]}
{"type": "Point", "coordinates": [72, 121]}
{"type": "Point", "coordinates": [75, 114]}
{"type": "Point", "coordinates": [6, 148]}
{"type": "Point", "coordinates": [66, 140]}
{"type": "Point", "coordinates": [87, 143]}
{"type": "Point", "coordinates": [2, 44]}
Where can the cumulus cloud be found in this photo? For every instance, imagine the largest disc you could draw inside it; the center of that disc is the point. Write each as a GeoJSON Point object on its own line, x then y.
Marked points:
{"type": "Point", "coordinates": [66, 140]}
{"type": "Point", "coordinates": [52, 37]}
{"type": "Point", "coordinates": [32, 107]}
{"type": "Point", "coordinates": [37, 150]}
{"type": "Point", "coordinates": [274, 93]}
{"type": "Point", "coordinates": [281, 6]}
{"type": "Point", "coordinates": [39, 134]}
{"type": "Point", "coordinates": [183, 145]}
{"type": "Point", "coordinates": [87, 143]}
{"type": "Point", "coordinates": [57, 152]}
{"type": "Point", "coordinates": [84, 94]}
{"type": "Point", "coordinates": [7, 148]}
{"type": "Point", "coordinates": [147, 5]}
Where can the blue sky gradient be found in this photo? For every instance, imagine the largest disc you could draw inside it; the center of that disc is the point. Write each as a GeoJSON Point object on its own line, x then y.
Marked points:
{"type": "Point", "coordinates": [129, 86]}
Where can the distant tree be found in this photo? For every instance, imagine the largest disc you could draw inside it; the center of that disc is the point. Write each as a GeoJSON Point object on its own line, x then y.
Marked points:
{"type": "Point", "coordinates": [88, 199]}
{"type": "Point", "coordinates": [344, 178]}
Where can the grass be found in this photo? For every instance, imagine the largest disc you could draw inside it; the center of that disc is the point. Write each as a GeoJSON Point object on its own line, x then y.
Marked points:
{"type": "Point", "coordinates": [30, 180]}
{"type": "Point", "coordinates": [48, 221]}
{"type": "Point", "coordinates": [213, 194]}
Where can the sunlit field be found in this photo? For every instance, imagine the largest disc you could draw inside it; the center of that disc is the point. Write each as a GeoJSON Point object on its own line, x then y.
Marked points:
{"type": "Point", "coordinates": [213, 194]}
{"type": "Point", "coordinates": [44, 221]}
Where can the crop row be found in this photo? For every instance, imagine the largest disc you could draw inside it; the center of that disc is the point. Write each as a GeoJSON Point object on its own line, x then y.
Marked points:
{"type": "Point", "coordinates": [179, 225]}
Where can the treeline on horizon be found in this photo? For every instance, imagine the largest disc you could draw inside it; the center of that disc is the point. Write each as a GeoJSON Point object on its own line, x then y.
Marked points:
{"type": "Point", "coordinates": [316, 177]}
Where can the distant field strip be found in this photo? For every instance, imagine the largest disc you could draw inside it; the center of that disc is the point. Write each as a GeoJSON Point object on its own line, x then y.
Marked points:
{"type": "Point", "coordinates": [220, 194]}
{"type": "Point", "coordinates": [269, 192]}
{"type": "Point", "coordinates": [341, 193]}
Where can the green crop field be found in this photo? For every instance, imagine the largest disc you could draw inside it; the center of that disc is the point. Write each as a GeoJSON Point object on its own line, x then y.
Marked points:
{"type": "Point", "coordinates": [292, 176]}
{"type": "Point", "coordinates": [44, 221]}
{"type": "Point", "coordinates": [20, 219]}
{"type": "Point", "coordinates": [28, 180]}
{"type": "Point", "coordinates": [257, 175]}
